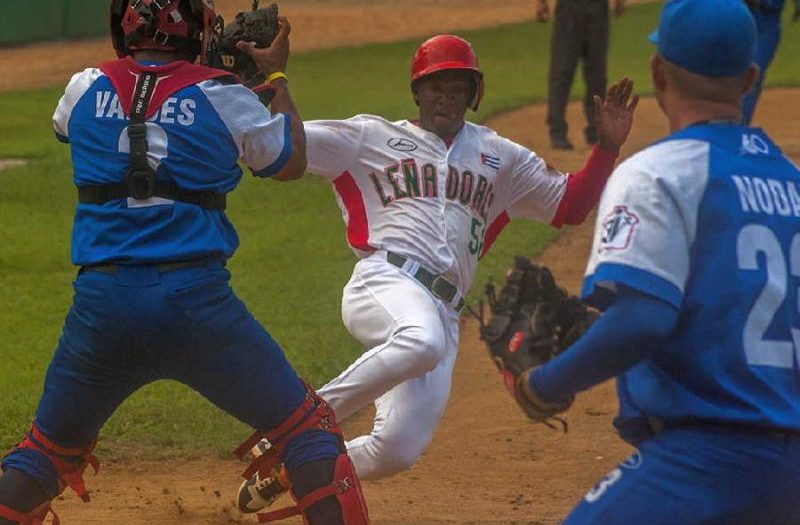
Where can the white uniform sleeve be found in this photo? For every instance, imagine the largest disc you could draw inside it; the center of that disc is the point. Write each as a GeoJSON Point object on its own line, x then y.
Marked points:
{"type": "Point", "coordinates": [264, 140]}
{"type": "Point", "coordinates": [76, 88]}
{"type": "Point", "coordinates": [332, 145]}
{"type": "Point", "coordinates": [536, 189]}
{"type": "Point", "coordinates": [647, 223]}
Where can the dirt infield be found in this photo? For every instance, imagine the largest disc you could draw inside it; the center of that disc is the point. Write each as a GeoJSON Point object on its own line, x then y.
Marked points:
{"type": "Point", "coordinates": [487, 464]}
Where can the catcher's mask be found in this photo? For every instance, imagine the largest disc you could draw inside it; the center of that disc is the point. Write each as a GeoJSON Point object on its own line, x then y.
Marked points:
{"type": "Point", "coordinates": [186, 26]}
{"type": "Point", "coordinates": [443, 52]}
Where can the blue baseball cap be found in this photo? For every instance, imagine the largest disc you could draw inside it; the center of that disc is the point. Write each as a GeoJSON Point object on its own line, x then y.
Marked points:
{"type": "Point", "coordinates": [715, 38]}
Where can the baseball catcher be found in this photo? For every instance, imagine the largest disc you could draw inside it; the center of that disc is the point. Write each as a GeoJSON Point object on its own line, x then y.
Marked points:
{"type": "Point", "coordinates": [532, 321]}
{"type": "Point", "coordinates": [151, 215]}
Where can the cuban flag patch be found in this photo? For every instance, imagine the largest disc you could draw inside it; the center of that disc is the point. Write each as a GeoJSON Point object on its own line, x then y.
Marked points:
{"type": "Point", "coordinates": [491, 161]}
{"type": "Point", "coordinates": [619, 227]}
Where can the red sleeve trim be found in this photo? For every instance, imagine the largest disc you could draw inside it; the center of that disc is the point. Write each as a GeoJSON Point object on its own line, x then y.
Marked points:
{"type": "Point", "coordinates": [584, 188]}
{"type": "Point", "coordinates": [493, 231]}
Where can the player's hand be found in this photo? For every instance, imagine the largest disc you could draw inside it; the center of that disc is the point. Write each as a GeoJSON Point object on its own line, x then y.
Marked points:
{"type": "Point", "coordinates": [619, 7]}
{"type": "Point", "coordinates": [276, 56]}
{"type": "Point", "coordinates": [543, 11]}
{"type": "Point", "coordinates": [614, 115]}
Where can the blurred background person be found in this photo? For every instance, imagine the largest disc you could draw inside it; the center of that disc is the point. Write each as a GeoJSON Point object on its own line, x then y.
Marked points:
{"type": "Point", "coordinates": [768, 24]}
{"type": "Point", "coordinates": [580, 32]}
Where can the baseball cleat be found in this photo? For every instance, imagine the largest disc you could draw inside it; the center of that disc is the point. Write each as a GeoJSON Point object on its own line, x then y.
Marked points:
{"type": "Point", "coordinates": [256, 493]}
{"type": "Point", "coordinates": [561, 143]}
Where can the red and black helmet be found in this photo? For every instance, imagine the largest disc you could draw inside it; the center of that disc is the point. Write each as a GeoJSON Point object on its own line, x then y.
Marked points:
{"type": "Point", "coordinates": [443, 52]}
{"type": "Point", "coordinates": [164, 25]}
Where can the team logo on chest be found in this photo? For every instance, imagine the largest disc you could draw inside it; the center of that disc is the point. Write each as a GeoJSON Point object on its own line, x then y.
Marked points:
{"type": "Point", "coordinates": [405, 179]}
{"type": "Point", "coordinates": [401, 144]}
{"type": "Point", "coordinates": [619, 227]}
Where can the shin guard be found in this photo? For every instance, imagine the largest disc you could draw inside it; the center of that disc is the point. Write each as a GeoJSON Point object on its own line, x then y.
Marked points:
{"type": "Point", "coordinates": [34, 517]}
{"type": "Point", "coordinates": [342, 498]}
{"type": "Point", "coordinates": [70, 463]}
{"type": "Point", "coordinates": [313, 414]}
{"type": "Point", "coordinates": [339, 492]}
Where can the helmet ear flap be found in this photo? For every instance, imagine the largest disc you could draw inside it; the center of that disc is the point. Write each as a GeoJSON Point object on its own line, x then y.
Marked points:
{"type": "Point", "coordinates": [479, 88]}
{"type": "Point", "coordinates": [117, 12]}
{"type": "Point", "coordinates": [414, 87]}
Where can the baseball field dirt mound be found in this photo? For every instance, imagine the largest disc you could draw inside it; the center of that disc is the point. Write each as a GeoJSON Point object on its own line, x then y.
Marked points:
{"type": "Point", "coordinates": [467, 476]}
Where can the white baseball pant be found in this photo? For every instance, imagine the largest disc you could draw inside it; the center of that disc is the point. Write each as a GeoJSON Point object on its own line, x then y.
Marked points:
{"type": "Point", "coordinates": [412, 341]}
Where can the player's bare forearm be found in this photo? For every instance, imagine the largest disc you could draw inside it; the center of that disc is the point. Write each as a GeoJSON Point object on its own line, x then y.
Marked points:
{"type": "Point", "coordinates": [282, 103]}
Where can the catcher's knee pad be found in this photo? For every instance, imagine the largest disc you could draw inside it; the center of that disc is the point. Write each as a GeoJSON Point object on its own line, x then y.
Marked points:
{"type": "Point", "coordinates": [327, 491]}
{"type": "Point", "coordinates": [69, 462]}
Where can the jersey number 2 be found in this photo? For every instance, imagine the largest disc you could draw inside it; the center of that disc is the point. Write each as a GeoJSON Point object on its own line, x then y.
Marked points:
{"type": "Point", "coordinates": [755, 239]}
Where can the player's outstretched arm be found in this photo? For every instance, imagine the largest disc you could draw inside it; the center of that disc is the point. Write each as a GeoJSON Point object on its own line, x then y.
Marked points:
{"type": "Point", "coordinates": [614, 115]}
{"type": "Point", "coordinates": [271, 61]}
{"type": "Point", "coordinates": [613, 119]}
{"type": "Point", "coordinates": [542, 13]}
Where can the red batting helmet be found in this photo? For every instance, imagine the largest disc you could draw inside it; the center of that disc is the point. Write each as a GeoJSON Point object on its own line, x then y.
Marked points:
{"type": "Point", "coordinates": [164, 25]}
{"type": "Point", "coordinates": [443, 52]}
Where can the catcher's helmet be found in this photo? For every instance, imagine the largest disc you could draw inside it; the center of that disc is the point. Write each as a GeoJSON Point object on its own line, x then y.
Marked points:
{"type": "Point", "coordinates": [166, 25]}
{"type": "Point", "coordinates": [443, 52]}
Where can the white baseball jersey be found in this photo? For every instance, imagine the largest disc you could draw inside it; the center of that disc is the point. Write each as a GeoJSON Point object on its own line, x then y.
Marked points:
{"type": "Point", "coordinates": [401, 188]}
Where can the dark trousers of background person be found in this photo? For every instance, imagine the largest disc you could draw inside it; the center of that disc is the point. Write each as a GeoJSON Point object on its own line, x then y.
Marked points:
{"type": "Point", "coordinates": [580, 32]}
{"type": "Point", "coordinates": [768, 23]}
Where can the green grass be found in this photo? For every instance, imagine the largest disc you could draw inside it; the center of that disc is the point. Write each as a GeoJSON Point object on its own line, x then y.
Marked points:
{"type": "Point", "coordinates": [293, 261]}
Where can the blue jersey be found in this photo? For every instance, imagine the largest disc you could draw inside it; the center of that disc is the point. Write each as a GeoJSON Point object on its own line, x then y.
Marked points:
{"type": "Point", "coordinates": [708, 220]}
{"type": "Point", "coordinates": [195, 139]}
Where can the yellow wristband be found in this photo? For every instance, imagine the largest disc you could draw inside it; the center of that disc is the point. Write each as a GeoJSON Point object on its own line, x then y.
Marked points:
{"type": "Point", "coordinates": [275, 76]}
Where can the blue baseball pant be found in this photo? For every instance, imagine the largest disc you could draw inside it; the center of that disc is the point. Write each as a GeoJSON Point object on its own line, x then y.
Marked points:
{"type": "Point", "coordinates": [136, 326]}
{"type": "Point", "coordinates": [700, 475]}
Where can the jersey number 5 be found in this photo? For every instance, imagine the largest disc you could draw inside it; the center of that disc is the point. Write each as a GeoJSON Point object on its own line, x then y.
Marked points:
{"type": "Point", "coordinates": [477, 234]}
{"type": "Point", "coordinates": [755, 239]}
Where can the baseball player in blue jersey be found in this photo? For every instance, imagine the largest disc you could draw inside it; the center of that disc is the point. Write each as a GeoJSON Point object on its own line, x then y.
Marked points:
{"type": "Point", "coordinates": [767, 14]}
{"type": "Point", "coordinates": [696, 264]}
{"type": "Point", "coordinates": [155, 141]}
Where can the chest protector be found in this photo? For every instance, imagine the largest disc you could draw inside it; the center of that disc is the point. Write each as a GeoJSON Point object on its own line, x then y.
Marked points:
{"type": "Point", "coordinates": [142, 90]}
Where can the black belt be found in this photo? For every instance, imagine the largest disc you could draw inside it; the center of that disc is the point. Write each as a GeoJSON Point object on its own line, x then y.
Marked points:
{"type": "Point", "coordinates": [102, 193]}
{"type": "Point", "coordinates": [111, 268]}
{"type": "Point", "coordinates": [658, 426]}
{"type": "Point", "coordinates": [436, 283]}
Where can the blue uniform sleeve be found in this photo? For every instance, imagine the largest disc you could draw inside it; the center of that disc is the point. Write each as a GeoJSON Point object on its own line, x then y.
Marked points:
{"type": "Point", "coordinates": [263, 139]}
{"type": "Point", "coordinates": [634, 325]}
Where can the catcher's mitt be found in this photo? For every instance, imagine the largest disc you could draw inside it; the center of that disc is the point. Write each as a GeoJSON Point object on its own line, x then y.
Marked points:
{"type": "Point", "coordinates": [259, 26]}
{"type": "Point", "coordinates": [532, 321]}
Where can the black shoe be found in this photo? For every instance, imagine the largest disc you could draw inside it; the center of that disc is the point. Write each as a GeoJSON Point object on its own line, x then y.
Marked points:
{"type": "Point", "coordinates": [591, 135]}
{"type": "Point", "coordinates": [561, 143]}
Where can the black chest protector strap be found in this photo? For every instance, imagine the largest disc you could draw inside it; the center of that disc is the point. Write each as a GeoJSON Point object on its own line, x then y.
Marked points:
{"type": "Point", "coordinates": [140, 179]}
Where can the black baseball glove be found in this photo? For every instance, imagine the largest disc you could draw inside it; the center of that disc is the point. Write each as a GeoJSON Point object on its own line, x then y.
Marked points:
{"type": "Point", "coordinates": [259, 26]}
{"type": "Point", "coordinates": [532, 321]}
